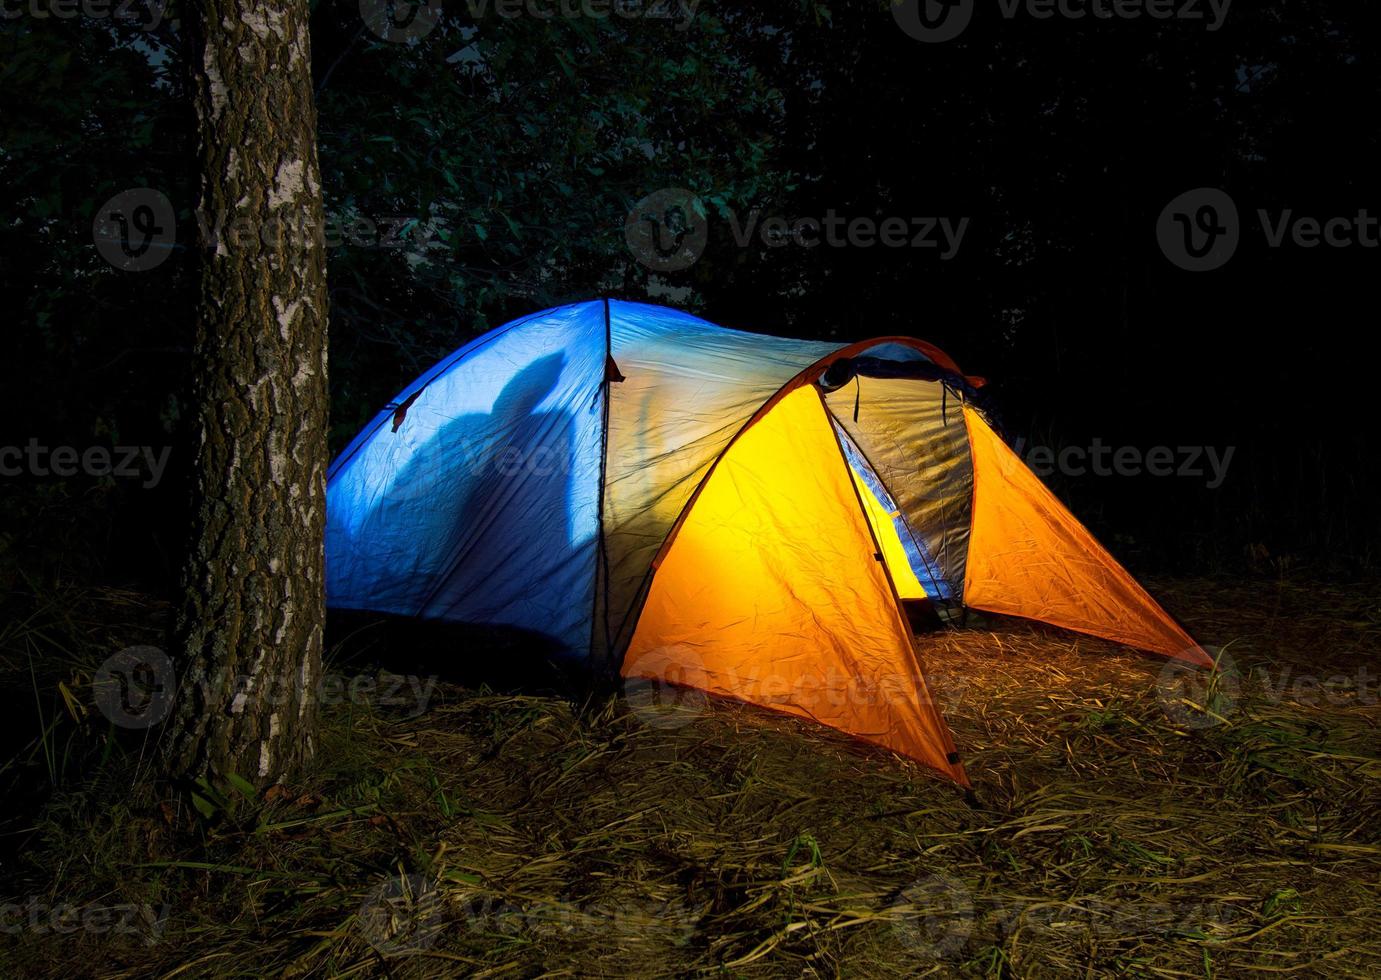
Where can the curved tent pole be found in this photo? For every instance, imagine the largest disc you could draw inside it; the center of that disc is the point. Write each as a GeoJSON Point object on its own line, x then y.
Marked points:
{"type": "Point", "coordinates": [951, 749]}
{"type": "Point", "coordinates": [805, 376]}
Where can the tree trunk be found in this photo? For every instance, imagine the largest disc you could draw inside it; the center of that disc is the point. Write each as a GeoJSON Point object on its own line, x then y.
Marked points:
{"type": "Point", "coordinates": [250, 627]}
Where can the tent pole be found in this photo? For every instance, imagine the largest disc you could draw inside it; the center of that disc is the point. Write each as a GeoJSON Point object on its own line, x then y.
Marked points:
{"type": "Point", "coordinates": [601, 609]}
{"type": "Point", "coordinates": [934, 573]}
{"type": "Point", "coordinates": [951, 750]}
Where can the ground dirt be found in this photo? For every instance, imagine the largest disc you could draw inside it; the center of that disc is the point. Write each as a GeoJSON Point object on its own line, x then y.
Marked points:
{"type": "Point", "coordinates": [1116, 827]}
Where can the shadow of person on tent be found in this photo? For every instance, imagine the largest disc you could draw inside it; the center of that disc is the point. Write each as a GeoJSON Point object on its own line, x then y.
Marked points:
{"type": "Point", "coordinates": [486, 506]}
{"type": "Point", "coordinates": [511, 523]}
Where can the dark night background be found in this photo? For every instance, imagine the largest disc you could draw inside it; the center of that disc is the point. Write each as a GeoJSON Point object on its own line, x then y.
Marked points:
{"type": "Point", "coordinates": [651, 831]}
{"type": "Point", "coordinates": [526, 142]}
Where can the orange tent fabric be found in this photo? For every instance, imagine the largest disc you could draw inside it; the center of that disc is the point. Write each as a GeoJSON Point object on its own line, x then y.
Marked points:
{"type": "Point", "coordinates": [1029, 556]}
{"type": "Point", "coordinates": [772, 593]}
{"type": "Point", "coordinates": [658, 494]}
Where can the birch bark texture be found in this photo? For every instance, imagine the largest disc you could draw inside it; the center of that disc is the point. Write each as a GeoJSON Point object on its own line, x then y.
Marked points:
{"type": "Point", "coordinates": [251, 623]}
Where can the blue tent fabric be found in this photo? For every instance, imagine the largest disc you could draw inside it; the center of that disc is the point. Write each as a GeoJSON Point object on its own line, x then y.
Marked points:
{"type": "Point", "coordinates": [536, 478]}
{"type": "Point", "coordinates": [483, 505]}
{"type": "Point", "coordinates": [421, 382]}
{"type": "Point", "coordinates": [480, 492]}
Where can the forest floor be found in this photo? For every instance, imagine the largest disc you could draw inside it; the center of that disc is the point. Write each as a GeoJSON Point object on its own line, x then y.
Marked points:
{"type": "Point", "coordinates": [1115, 828]}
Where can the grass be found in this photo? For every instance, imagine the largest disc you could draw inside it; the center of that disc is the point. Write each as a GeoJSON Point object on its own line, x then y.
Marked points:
{"type": "Point", "coordinates": [502, 833]}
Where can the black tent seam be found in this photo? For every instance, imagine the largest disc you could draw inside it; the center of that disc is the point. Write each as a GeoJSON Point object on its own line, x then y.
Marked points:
{"type": "Point", "coordinates": [602, 547]}
{"type": "Point", "coordinates": [936, 574]}
{"type": "Point", "coordinates": [635, 608]}
{"type": "Point", "coordinates": [950, 747]}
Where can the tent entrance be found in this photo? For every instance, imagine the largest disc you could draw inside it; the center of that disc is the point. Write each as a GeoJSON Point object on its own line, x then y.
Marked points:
{"type": "Point", "coordinates": [772, 593]}
{"type": "Point", "coordinates": [914, 571]}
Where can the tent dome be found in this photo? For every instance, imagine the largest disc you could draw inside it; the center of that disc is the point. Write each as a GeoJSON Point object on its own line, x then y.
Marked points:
{"type": "Point", "coordinates": [743, 513]}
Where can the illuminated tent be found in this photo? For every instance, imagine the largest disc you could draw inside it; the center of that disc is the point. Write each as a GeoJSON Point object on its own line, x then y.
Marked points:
{"type": "Point", "coordinates": [733, 512]}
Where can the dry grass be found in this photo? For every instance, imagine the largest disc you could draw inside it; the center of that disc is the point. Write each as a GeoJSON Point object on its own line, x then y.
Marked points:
{"type": "Point", "coordinates": [513, 835]}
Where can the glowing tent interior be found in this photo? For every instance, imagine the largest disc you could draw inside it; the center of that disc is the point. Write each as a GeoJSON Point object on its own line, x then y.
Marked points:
{"type": "Point", "coordinates": [734, 512]}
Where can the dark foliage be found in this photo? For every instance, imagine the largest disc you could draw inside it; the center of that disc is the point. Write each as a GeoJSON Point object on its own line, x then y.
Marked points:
{"type": "Point", "coordinates": [485, 170]}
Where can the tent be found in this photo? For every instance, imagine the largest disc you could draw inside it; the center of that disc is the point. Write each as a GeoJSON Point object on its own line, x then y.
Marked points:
{"type": "Point", "coordinates": [744, 514]}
